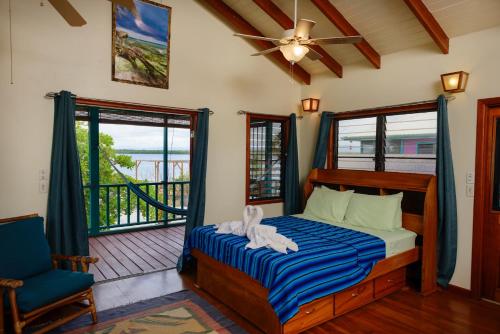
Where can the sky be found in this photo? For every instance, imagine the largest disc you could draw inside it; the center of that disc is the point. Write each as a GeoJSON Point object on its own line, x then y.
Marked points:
{"type": "Point", "coordinates": [145, 137]}
{"type": "Point", "coordinates": [151, 23]}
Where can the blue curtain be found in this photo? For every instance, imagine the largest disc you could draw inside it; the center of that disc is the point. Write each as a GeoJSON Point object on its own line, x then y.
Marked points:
{"type": "Point", "coordinates": [447, 205]}
{"type": "Point", "coordinates": [66, 215]}
{"type": "Point", "coordinates": [292, 204]}
{"type": "Point", "coordinates": [196, 207]}
{"type": "Point", "coordinates": [319, 160]}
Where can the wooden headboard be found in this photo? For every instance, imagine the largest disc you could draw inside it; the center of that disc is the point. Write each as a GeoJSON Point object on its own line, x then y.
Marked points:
{"type": "Point", "coordinates": [419, 204]}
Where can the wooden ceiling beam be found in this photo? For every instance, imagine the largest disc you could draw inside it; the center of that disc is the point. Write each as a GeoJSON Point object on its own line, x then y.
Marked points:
{"type": "Point", "coordinates": [332, 13]}
{"type": "Point", "coordinates": [239, 24]}
{"type": "Point", "coordinates": [285, 22]}
{"type": "Point", "coordinates": [430, 24]}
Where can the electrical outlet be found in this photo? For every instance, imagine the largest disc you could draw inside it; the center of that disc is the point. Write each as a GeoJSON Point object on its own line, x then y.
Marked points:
{"type": "Point", "coordinates": [43, 174]}
{"type": "Point", "coordinates": [469, 190]}
{"type": "Point", "coordinates": [469, 178]}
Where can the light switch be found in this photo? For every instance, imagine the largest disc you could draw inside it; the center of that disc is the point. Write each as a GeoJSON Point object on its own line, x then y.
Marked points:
{"type": "Point", "coordinates": [43, 174]}
{"type": "Point", "coordinates": [469, 177]}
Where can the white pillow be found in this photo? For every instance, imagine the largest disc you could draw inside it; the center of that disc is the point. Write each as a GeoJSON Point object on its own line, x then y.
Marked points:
{"type": "Point", "coordinates": [377, 212]}
{"type": "Point", "coordinates": [327, 204]}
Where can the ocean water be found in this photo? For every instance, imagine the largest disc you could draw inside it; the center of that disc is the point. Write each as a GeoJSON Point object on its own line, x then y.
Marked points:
{"type": "Point", "coordinates": [150, 166]}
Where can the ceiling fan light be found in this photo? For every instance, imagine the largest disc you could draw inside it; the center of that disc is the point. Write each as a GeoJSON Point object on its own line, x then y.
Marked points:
{"type": "Point", "coordinates": [294, 52]}
{"type": "Point", "coordinates": [300, 51]}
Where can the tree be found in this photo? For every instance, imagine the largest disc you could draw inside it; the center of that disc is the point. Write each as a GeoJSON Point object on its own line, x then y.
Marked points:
{"type": "Point", "coordinates": [107, 175]}
{"type": "Point", "coordinates": [113, 190]}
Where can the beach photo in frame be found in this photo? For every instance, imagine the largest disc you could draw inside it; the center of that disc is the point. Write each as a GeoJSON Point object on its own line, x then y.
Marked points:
{"type": "Point", "coordinates": [141, 44]}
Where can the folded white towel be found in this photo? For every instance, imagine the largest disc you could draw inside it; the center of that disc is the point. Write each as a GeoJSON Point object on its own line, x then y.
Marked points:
{"type": "Point", "coordinates": [266, 236]}
{"type": "Point", "coordinates": [252, 215]}
{"type": "Point", "coordinates": [259, 235]}
{"type": "Point", "coordinates": [232, 227]}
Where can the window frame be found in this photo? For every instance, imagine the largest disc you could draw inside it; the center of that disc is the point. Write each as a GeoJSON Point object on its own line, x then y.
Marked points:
{"type": "Point", "coordinates": [94, 107]}
{"type": "Point", "coordinates": [285, 121]}
{"type": "Point", "coordinates": [380, 137]}
{"type": "Point", "coordinates": [421, 143]}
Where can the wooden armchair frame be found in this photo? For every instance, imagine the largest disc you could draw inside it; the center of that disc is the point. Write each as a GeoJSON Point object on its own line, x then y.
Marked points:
{"type": "Point", "coordinates": [77, 300]}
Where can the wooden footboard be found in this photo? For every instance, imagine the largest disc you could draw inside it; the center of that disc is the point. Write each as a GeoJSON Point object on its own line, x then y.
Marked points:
{"type": "Point", "coordinates": [249, 298]}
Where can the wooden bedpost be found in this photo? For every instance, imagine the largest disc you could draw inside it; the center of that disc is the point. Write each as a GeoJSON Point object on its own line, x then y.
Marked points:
{"type": "Point", "coordinates": [308, 185]}
{"type": "Point", "coordinates": [429, 243]}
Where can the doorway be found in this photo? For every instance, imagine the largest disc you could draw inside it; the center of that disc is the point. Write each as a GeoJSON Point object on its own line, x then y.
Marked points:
{"type": "Point", "coordinates": [486, 232]}
{"type": "Point", "coordinates": [149, 146]}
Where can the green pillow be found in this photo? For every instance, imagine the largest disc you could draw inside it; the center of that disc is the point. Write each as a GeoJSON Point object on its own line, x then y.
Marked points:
{"type": "Point", "coordinates": [328, 204]}
{"type": "Point", "coordinates": [377, 212]}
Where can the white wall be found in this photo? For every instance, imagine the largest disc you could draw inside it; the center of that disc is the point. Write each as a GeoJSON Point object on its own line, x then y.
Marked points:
{"type": "Point", "coordinates": [209, 67]}
{"type": "Point", "coordinates": [413, 75]}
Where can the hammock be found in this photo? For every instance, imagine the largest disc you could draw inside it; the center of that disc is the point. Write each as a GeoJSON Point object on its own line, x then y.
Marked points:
{"type": "Point", "coordinates": [142, 194]}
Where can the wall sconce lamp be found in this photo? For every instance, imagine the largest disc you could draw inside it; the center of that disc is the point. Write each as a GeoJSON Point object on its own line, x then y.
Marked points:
{"type": "Point", "coordinates": [310, 105]}
{"type": "Point", "coordinates": [454, 82]}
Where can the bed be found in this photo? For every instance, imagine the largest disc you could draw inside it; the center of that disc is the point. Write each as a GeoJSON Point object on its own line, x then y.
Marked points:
{"type": "Point", "coordinates": [387, 265]}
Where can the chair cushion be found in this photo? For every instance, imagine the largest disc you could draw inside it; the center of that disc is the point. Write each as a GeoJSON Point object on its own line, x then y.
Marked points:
{"type": "Point", "coordinates": [25, 251]}
{"type": "Point", "coordinates": [50, 287]}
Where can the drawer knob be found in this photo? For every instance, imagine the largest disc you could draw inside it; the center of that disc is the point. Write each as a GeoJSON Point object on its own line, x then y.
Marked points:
{"type": "Point", "coordinates": [354, 294]}
{"type": "Point", "coordinates": [309, 311]}
{"type": "Point", "coordinates": [390, 280]}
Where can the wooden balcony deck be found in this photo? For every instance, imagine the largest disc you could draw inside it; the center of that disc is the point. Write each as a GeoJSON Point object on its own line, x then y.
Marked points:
{"type": "Point", "coordinates": [135, 253]}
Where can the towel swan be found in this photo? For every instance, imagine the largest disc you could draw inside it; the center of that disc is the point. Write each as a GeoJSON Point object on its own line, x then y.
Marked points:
{"type": "Point", "coordinates": [259, 235]}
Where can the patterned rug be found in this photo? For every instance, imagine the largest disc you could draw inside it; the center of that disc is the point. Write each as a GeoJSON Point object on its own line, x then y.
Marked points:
{"type": "Point", "coordinates": [180, 313]}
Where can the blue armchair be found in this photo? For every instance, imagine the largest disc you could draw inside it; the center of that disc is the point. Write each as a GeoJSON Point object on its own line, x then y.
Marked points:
{"type": "Point", "coordinates": [31, 283]}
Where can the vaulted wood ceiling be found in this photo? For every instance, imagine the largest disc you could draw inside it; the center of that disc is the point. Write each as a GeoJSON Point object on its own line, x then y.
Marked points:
{"type": "Point", "coordinates": [387, 26]}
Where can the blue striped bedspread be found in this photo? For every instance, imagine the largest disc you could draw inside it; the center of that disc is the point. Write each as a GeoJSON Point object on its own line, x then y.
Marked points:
{"type": "Point", "coordinates": [329, 259]}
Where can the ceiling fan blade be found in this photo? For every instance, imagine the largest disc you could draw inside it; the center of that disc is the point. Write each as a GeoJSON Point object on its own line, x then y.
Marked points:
{"type": "Point", "coordinates": [262, 38]}
{"type": "Point", "coordinates": [68, 12]}
{"type": "Point", "coordinates": [265, 52]}
{"type": "Point", "coordinates": [129, 4]}
{"type": "Point", "coordinates": [303, 28]}
{"type": "Point", "coordinates": [336, 40]}
{"type": "Point", "coordinates": [313, 55]}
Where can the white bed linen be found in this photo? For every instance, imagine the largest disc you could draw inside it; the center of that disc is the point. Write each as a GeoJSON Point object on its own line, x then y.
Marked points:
{"type": "Point", "coordinates": [396, 242]}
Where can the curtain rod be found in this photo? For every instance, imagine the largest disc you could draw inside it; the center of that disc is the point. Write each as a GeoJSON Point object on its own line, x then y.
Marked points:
{"type": "Point", "coordinates": [448, 98]}
{"type": "Point", "coordinates": [244, 112]}
{"type": "Point", "coordinates": [51, 95]}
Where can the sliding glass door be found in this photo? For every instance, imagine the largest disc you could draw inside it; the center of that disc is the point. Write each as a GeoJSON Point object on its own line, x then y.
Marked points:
{"type": "Point", "coordinates": [150, 149]}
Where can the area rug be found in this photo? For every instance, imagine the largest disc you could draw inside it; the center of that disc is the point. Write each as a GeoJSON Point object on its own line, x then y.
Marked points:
{"type": "Point", "coordinates": [179, 313]}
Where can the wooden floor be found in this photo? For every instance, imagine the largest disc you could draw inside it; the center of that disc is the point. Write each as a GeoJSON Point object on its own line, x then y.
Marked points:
{"type": "Point", "coordinates": [136, 253]}
{"type": "Point", "coordinates": [402, 312]}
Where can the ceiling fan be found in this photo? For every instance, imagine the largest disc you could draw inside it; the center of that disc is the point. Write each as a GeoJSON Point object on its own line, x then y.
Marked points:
{"type": "Point", "coordinates": [74, 19]}
{"type": "Point", "coordinates": [296, 43]}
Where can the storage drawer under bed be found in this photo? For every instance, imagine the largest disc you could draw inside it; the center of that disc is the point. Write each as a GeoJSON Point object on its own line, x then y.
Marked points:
{"type": "Point", "coordinates": [390, 282]}
{"type": "Point", "coordinates": [310, 315]}
{"type": "Point", "coordinates": [353, 298]}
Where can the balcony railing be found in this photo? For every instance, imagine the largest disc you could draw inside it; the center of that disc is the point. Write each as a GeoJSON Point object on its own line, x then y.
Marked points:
{"type": "Point", "coordinates": [121, 210]}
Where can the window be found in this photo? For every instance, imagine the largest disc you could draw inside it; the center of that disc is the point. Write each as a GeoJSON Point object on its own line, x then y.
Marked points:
{"type": "Point", "coordinates": [356, 143]}
{"type": "Point", "coordinates": [386, 140]}
{"type": "Point", "coordinates": [266, 136]}
{"type": "Point", "coordinates": [426, 148]}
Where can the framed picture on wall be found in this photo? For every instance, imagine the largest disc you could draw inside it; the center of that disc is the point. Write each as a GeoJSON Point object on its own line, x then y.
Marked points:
{"type": "Point", "coordinates": [141, 44]}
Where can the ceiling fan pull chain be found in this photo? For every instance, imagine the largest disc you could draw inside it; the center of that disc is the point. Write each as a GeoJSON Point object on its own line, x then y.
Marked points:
{"type": "Point", "coordinates": [295, 16]}
{"type": "Point", "coordinates": [10, 44]}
